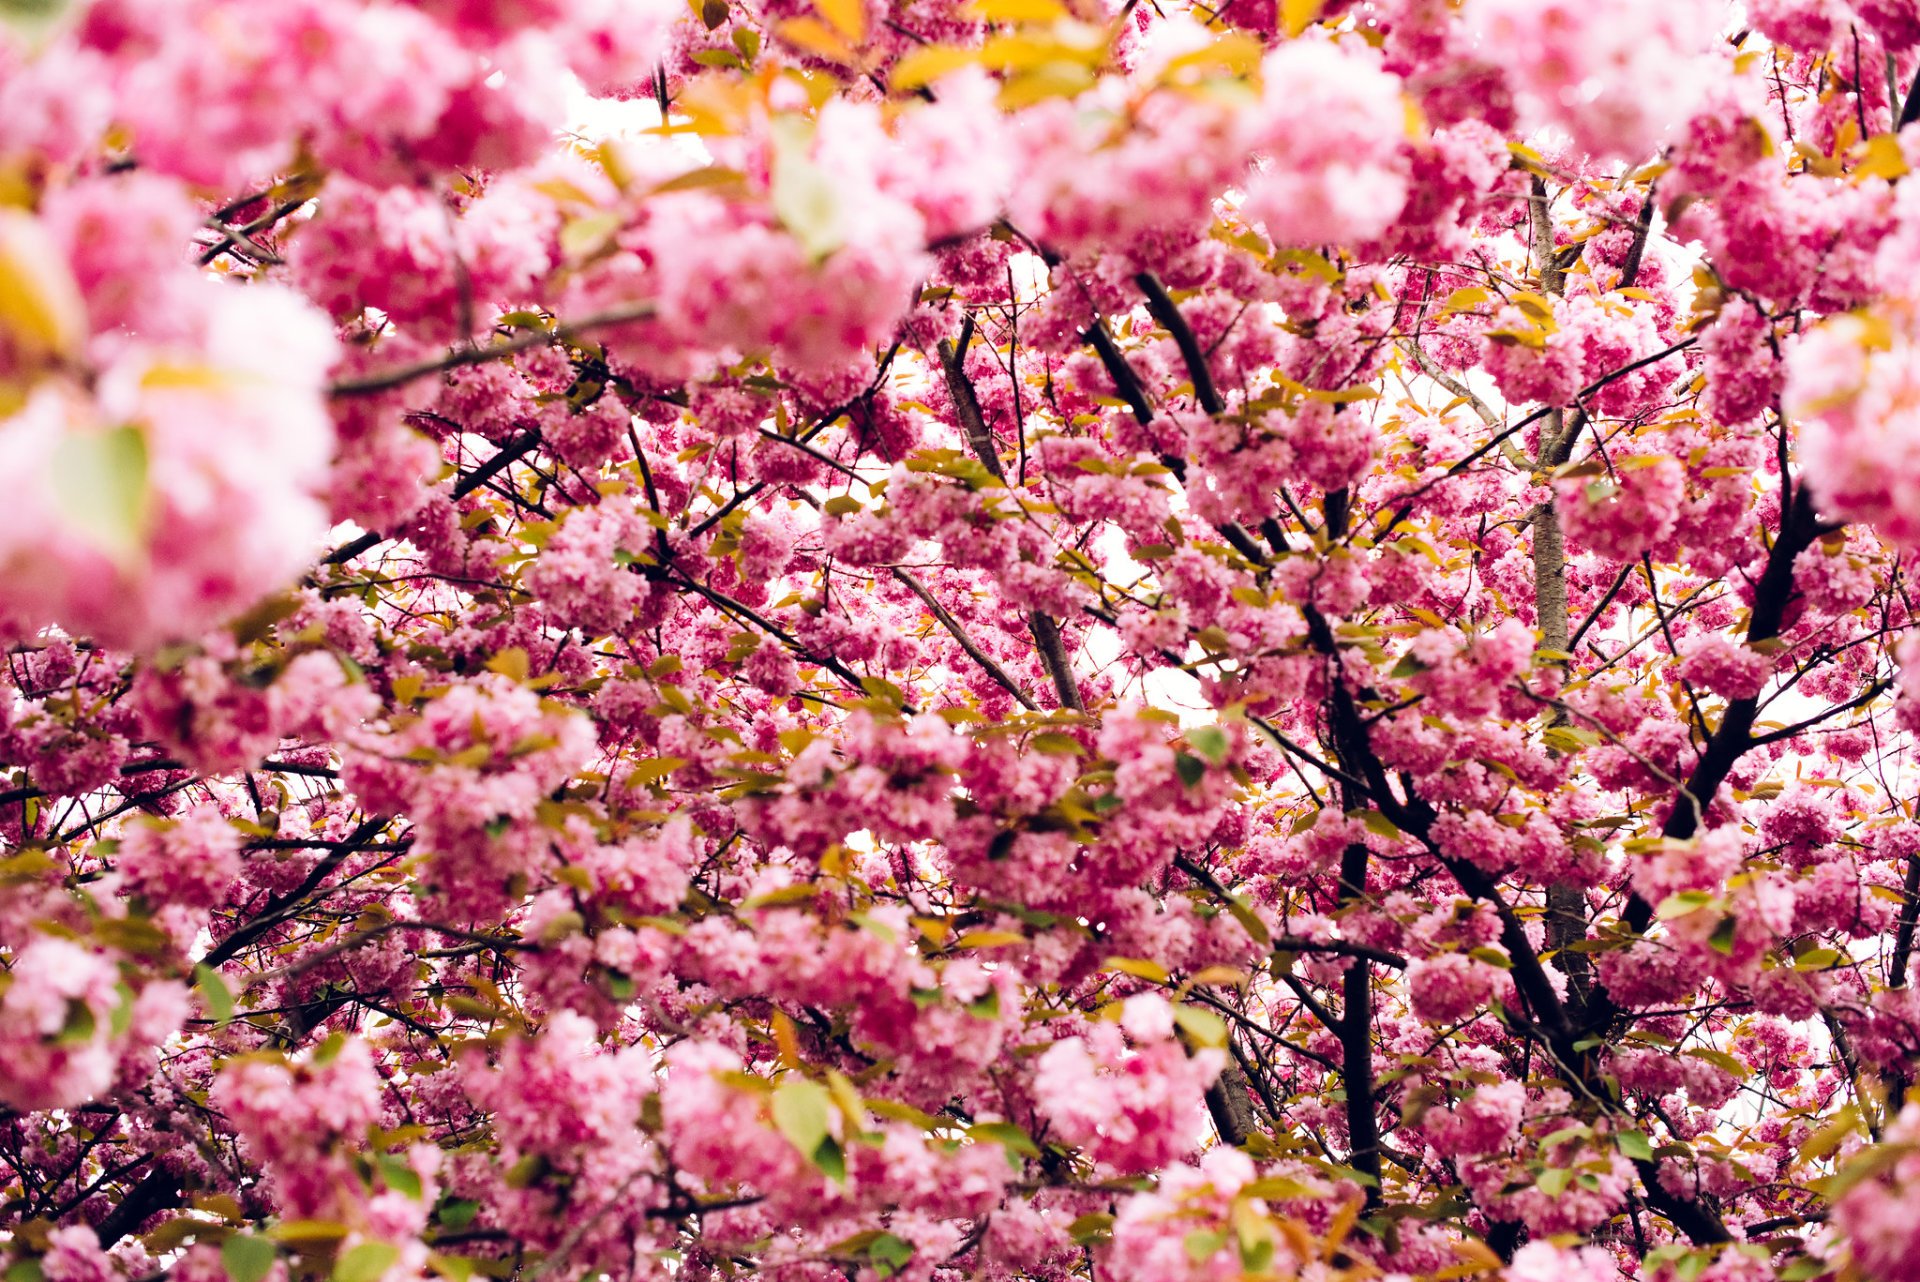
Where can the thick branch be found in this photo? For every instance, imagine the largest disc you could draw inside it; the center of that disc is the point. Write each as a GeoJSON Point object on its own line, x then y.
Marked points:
{"type": "Point", "coordinates": [401, 375]}
{"type": "Point", "coordinates": [1161, 304]}
{"type": "Point", "coordinates": [152, 1195]}
{"type": "Point", "coordinates": [1355, 1032]}
{"type": "Point", "coordinates": [1903, 932]}
{"type": "Point", "coordinates": [1053, 654]}
{"type": "Point", "coordinates": [516, 448]}
{"type": "Point", "coordinates": [1046, 633]}
{"type": "Point", "coordinates": [973, 651]}
{"type": "Point", "coordinates": [1798, 530]}
{"type": "Point", "coordinates": [1125, 381]}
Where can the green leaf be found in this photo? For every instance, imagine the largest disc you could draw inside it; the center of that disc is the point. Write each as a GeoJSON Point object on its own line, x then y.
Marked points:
{"type": "Point", "coordinates": [398, 1175]}
{"type": "Point", "coordinates": [99, 482]}
{"type": "Point", "coordinates": [456, 1268]}
{"type": "Point", "coordinates": [458, 1212]}
{"type": "Point", "coordinates": [32, 18]}
{"type": "Point", "coordinates": [1681, 904]}
{"type": "Point", "coordinates": [1201, 1244]}
{"type": "Point", "coordinates": [889, 1254]}
{"type": "Point", "coordinates": [25, 1270]}
{"type": "Point", "coordinates": [1409, 666]}
{"type": "Point", "coordinates": [1554, 1180]}
{"type": "Point", "coordinates": [1202, 1025]}
{"type": "Point", "coordinates": [1005, 1133]}
{"type": "Point", "coordinates": [652, 770]}
{"type": "Point", "coordinates": [1634, 1146]}
{"type": "Point", "coordinates": [831, 1161]}
{"type": "Point", "coordinates": [801, 1110]}
{"type": "Point", "coordinates": [1212, 743]}
{"type": "Point", "coordinates": [301, 1234]}
{"type": "Point", "coordinates": [80, 1026]}
{"type": "Point", "coordinates": [122, 1018]}
{"type": "Point", "coordinates": [367, 1262]}
{"type": "Point", "coordinates": [1278, 1187]}
{"type": "Point", "coordinates": [214, 994]}
{"type": "Point", "coordinates": [1867, 1164]}
{"type": "Point", "coordinates": [247, 1258]}
{"type": "Point", "coordinates": [1344, 1172]}
{"type": "Point", "coordinates": [884, 690]}
{"type": "Point", "coordinates": [526, 1172]}
{"type": "Point", "coordinates": [1190, 768]}
{"type": "Point", "coordinates": [1377, 824]}
{"type": "Point", "coordinates": [1249, 919]}
{"type": "Point", "coordinates": [806, 198]}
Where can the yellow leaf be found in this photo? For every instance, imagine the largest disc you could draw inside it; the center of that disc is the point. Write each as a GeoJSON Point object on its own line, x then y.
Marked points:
{"type": "Point", "coordinates": [1016, 10]}
{"type": "Point", "coordinates": [1882, 159]}
{"type": "Point", "coordinates": [989, 939]}
{"type": "Point", "coordinates": [927, 64]}
{"type": "Point", "coordinates": [718, 104]}
{"type": "Point", "coordinates": [563, 192]}
{"type": "Point", "coordinates": [1235, 53]}
{"type": "Point", "coordinates": [787, 1039]}
{"type": "Point", "coordinates": [1202, 1025]}
{"type": "Point", "coordinates": [1021, 52]}
{"type": "Point", "coordinates": [852, 1109]}
{"type": "Point", "coordinates": [1048, 80]}
{"type": "Point", "coordinates": [1139, 967]}
{"type": "Point", "coordinates": [706, 176]}
{"type": "Point", "coordinates": [1297, 15]}
{"type": "Point", "coordinates": [816, 37]}
{"type": "Point", "coordinates": [1225, 976]}
{"type": "Point", "coordinates": [1525, 157]}
{"type": "Point", "coordinates": [40, 305]}
{"type": "Point", "coordinates": [783, 897]}
{"type": "Point", "coordinates": [1341, 1224]}
{"type": "Point", "coordinates": [584, 237]}
{"type": "Point", "coordinates": [848, 17]}
{"type": "Point", "coordinates": [1522, 337]}
{"type": "Point", "coordinates": [184, 377]}
{"type": "Point", "coordinates": [511, 662]}
{"type": "Point", "coordinates": [1462, 299]}
{"type": "Point", "coordinates": [1536, 309]}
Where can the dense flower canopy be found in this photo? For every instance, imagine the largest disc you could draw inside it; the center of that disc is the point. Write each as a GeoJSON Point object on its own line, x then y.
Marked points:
{"type": "Point", "coordinates": [1008, 639]}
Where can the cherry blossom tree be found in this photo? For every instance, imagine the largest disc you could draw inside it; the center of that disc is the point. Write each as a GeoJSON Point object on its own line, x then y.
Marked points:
{"type": "Point", "coordinates": [1007, 639]}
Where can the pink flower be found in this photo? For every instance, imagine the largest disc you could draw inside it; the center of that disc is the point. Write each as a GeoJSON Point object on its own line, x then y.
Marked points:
{"type": "Point", "coordinates": [1328, 134]}
{"type": "Point", "coordinates": [1615, 78]}
{"type": "Point", "coordinates": [1449, 987]}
